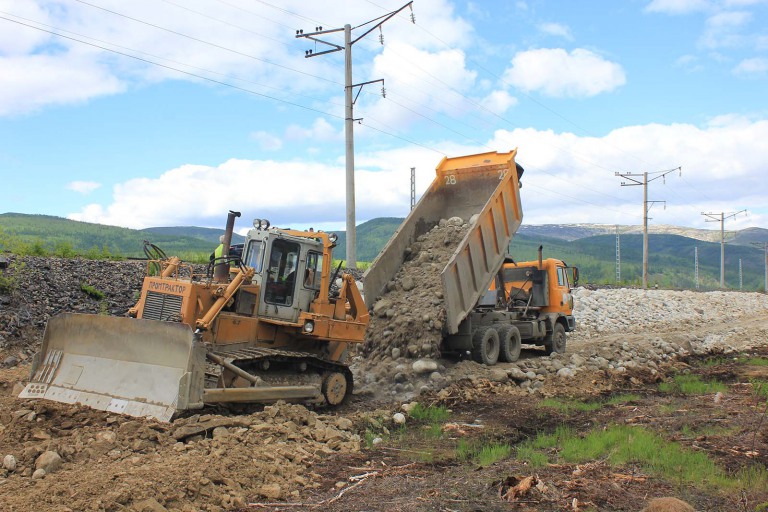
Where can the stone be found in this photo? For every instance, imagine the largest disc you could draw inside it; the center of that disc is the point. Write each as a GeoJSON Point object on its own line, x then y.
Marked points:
{"type": "Point", "coordinates": [565, 373]}
{"type": "Point", "coordinates": [148, 505]}
{"type": "Point", "coordinates": [39, 473]}
{"type": "Point", "coordinates": [498, 375]}
{"type": "Point", "coordinates": [9, 463]}
{"type": "Point", "coordinates": [398, 418]}
{"type": "Point", "coordinates": [424, 366]}
{"type": "Point", "coordinates": [395, 353]}
{"type": "Point", "coordinates": [407, 283]}
{"type": "Point", "coordinates": [271, 491]}
{"type": "Point", "coordinates": [50, 461]}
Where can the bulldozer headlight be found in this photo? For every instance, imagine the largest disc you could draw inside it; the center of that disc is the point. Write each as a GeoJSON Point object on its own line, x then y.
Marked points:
{"type": "Point", "coordinates": [333, 237]}
{"type": "Point", "coordinates": [261, 223]}
{"type": "Point", "coordinates": [309, 327]}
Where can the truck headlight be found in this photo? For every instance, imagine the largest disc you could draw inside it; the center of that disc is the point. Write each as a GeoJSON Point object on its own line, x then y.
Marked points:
{"type": "Point", "coordinates": [309, 327]}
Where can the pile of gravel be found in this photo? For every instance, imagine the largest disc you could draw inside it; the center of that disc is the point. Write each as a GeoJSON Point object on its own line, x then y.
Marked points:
{"type": "Point", "coordinates": [408, 318]}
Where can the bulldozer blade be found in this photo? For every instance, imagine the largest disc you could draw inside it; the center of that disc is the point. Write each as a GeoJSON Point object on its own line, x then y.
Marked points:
{"type": "Point", "coordinates": [141, 368]}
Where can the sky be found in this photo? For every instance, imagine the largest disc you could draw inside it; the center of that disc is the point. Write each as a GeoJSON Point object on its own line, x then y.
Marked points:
{"type": "Point", "coordinates": [173, 112]}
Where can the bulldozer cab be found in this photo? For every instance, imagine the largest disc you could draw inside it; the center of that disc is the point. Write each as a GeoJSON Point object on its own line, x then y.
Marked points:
{"type": "Point", "coordinates": [288, 268]}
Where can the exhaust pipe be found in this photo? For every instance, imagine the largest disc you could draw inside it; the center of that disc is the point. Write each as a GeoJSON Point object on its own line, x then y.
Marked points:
{"type": "Point", "coordinates": [221, 271]}
{"type": "Point", "coordinates": [541, 260]}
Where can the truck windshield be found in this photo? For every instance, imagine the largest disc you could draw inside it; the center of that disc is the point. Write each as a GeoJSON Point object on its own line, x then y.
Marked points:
{"type": "Point", "coordinates": [255, 255]}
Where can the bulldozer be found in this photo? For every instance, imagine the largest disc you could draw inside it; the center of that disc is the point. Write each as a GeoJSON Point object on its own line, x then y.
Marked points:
{"type": "Point", "coordinates": [264, 326]}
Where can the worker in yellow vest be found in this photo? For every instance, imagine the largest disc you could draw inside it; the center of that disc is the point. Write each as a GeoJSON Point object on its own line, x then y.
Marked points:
{"type": "Point", "coordinates": [219, 251]}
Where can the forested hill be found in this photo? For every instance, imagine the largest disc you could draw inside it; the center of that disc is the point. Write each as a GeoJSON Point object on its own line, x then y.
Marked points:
{"type": "Point", "coordinates": [671, 261]}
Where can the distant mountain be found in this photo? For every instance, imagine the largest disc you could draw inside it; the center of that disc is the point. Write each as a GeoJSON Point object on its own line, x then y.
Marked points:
{"type": "Point", "coordinates": [572, 232]}
{"type": "Point", "coordinates": [210, 235]}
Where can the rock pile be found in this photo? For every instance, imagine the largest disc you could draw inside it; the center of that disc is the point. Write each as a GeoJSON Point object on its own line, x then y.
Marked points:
{"type": "Point", "coordinates": [44, 287]}
{"type": "Point", "coordinates": [628, 310]}
{"type": "Point", "coordinates": [203, 462]}
{"type": "Point", "coordinates": [408, 318]}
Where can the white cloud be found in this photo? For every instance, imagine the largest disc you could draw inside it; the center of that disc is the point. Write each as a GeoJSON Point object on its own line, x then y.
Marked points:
{"type": "Point", "coordinates": [722, 170]}
{"type": "Point", "coordinates": [420, 81]}
{"type": "Point", "coordinates": [752, 67]}
{"type": "Point", "coordinates": [242, 42]}
{"type": "Point", "coordinates": [556, 29]}
{"type": "Point", "coordinates": [320, 131]}
{"type": "Point", "coordinates": [34, 81]}
{"type": "Point", "coordinates": [267, 141]}
{"type": "Point", "coordinates": [678, 6]}
{"type": "Point", "coordinates": [498, 102]}
{"type": "Point", "coordinates": [555, 72]}
{"type": "Point", "coordinates": [83, 187]}
{"type": "Point", "coordinates": [726, 30]}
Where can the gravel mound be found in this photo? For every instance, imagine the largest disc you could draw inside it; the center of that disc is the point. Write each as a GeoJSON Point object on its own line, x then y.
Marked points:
{"type": "Point", "coordinates": [96, 461]}
{"type": "Point", "coordinates": [408, 318]}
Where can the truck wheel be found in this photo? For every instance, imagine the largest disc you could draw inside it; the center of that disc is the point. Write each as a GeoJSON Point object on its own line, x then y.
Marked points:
{"type": "Point", "coordinates": [485, 344]}
{"type": "Point", "coordinates": [509, 344]}
{"type": "Point", "coordinates": [555, 342]}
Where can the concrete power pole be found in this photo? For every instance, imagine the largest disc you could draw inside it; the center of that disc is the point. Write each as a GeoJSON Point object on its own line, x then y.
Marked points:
{"type": "Point", "coordinates": [618, 255]}
{"type": "Point", "coordinates": [741, 277]}
{"type": "Point", "coordinates": [646, 206]}
{"type": "Point", "coordinates": [721, 218]}
{"type": "Point", "coordinates": [696, 265]}
{"type": "Point", "coordinates": [349, 102]}
{"type": "Point", "coordinates": [413, 188]}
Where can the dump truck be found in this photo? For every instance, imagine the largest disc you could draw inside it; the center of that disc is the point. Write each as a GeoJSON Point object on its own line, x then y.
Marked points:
{"type": "Point", "coordinates": [263, 327]}
{"type": "Point", "coordinates": [488, 316]}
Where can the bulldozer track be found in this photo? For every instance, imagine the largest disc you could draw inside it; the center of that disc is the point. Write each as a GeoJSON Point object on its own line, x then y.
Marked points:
{"type": "Point", "coordinates": [248, 357]}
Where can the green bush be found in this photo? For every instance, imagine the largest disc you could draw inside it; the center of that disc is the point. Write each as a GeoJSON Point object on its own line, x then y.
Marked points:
{"type": "Point", "coordinates": [91, 291]}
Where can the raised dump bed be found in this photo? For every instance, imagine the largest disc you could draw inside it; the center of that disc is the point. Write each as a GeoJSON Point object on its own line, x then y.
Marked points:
{"type": "Point", "coordinates": [484, 188]}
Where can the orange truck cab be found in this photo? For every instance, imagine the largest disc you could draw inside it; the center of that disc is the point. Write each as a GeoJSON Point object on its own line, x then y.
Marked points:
{"type": "Point", "coordinates": [527, 303]}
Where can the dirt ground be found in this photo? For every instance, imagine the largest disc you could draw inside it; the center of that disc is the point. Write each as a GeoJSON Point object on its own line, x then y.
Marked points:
{"type": "Point", "coordinates": [288, 457]}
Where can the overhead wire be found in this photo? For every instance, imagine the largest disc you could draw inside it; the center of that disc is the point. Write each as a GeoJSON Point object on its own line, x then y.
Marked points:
{"type": "Point", "coordinates": [155, 56]}
{"type": "Point", "coordinates": [192, 38]}
{"type": "Point", "coordinates": [202, 77]}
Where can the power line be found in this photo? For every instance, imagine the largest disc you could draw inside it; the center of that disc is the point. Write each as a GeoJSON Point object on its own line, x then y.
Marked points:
{"type": "Point", "coordinates": [349, 107]}
{"type": "Point", "coordinates": [203, 41]}
{"type": "Point", "coordinates": [202, 77]}
{"type": "Point", "coordinates": [646, 208]}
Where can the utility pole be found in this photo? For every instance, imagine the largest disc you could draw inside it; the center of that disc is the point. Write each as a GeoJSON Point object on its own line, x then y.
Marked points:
{"type": "Point", "coordinates": [741, 277]}
{"type": "Point", "coordinates": [721, 218]}
{"type": "Point", "coordinates": [696, 265]}
{"type": "Point", "coordinates": [413, 188]}
{"type": "Point", "coordinates": [349, 102]}
{"type": "Point", "coordinates": [646, 205]}
{"type": "Point", "coordinates": [618, 255]}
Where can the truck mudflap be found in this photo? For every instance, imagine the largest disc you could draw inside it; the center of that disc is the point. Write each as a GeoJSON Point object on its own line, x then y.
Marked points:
{"type": "Point", "coordinates": [141, 368]}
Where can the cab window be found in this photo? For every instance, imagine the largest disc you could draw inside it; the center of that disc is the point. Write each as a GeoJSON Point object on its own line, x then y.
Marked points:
{"type": "Point", "coordinates": [562, 277]}
{"type": "Point", "coordinates": [255, 255]}
{"type": "Point", "coordinates": [314, 270]}
{"type": "Point", "coordinates": [281, 273]}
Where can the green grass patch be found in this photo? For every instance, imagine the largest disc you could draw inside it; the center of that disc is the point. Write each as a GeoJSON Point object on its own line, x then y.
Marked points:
{"type": "Point", "coordinates": [760, 387]}
{"type": "Point", "coordinates": [91, 291]}
{"type": "Point", "coordinates": [691, 385]}
{"type": "Point", "coordinates": [621, 445]}
{"type": "Point", "coordinates": [754, 361]}
{"type": "Point", "coordinates": [429, 414]}
{"type": "Point", "coordinates": [482, 453]}
{"type": "Point", "coordinates": [569, 406]}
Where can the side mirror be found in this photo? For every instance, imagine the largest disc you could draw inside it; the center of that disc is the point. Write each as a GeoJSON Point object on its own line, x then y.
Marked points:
{"type": "Point", "coordinates": [575, 272]}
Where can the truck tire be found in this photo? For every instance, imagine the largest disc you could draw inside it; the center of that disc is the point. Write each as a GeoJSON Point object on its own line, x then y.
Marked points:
{"type": "Point", "coordinates": [509, 344]}
{"type": "Point", "coordinates": [485, 343]}
{"type": "Point", "coordinates": [555, 343]}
